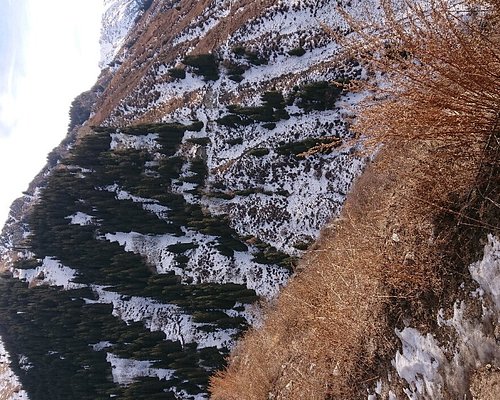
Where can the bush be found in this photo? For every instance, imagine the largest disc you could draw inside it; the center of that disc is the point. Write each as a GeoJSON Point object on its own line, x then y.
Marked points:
{"type": "Point", "coordinates": [203, 64]}
{"type": "Point", "coordinates": [234, 141]}
{"type": "Point", "coordinates": [202, 141]}
{"type": "Point", "coordinates": [236, 69]}
{"type": "Point", "coordinates": [320, 95]}
{"type": "Point", "coordinates": [196, 126]}
{"type": "Point", "coordinates": [238, 50]}
{"type": "Point", "coordinates": [258, 152]}
{"type": "Point", "coordinates": [230, 120]}
{"type": "Point", "coordinates": [271, 110]}
{"type": "Point", "coordinates": [177, 73]}
{"type": "Point", "coordinates": [80, 109]}
{"type": "Point", "coordinates": [269, 125]}
{"type": "Point", "coordinates": [298, 51]}
{"type": "Point", "coordinates": [236, 78]}
{"type": "Point", "coordinates": [255, 58]}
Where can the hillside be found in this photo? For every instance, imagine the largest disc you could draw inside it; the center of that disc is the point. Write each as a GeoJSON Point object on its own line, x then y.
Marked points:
{"type": "Point", "coordinates": [399, 297]}
{"type": "Point", "coordinates": [179, 198]}
{"type": "Point", "coordinates": [216, 184]}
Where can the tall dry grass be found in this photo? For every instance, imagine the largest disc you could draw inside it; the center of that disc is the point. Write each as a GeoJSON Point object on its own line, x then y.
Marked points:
{"type": "Point", "coordinates": [435, 107]}
{"type": "Point", "coordinates": [437, 66]}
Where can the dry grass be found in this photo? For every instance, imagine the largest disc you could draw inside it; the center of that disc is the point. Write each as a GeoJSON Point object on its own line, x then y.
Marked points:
{"type": "Point", "coordinates": [439, 66]}
{"type": "Point", "coordinates": [329, 333]}
{"type": "Point", "coordinates": [7, 389]}
{"type": "Point", "coordinates": [394, 251]}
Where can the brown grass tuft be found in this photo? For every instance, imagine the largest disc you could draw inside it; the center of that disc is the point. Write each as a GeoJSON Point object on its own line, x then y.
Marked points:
{"type": "Point", "coordinates": [438, 68]}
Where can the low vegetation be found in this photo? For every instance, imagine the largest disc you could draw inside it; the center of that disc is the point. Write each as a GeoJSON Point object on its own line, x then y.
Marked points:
{"type": "Point", "coordinates": [271, 110]}
{"type": "Point", "coordinates": [205, 65]}
{"type": "Point", "coordinates": [64, 365]}
{"type": "Point", "coordinates": [252, 56]}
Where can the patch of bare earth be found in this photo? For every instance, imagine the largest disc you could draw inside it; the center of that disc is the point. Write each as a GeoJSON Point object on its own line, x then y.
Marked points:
{"type": "Point", "coordinates": [485, 384]}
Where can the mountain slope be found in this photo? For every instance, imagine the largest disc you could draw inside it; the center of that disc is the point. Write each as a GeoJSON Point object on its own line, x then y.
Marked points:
{"type": "Point", "coordinates": [399, 298]}
{"type": "Point", "coordinates": [119, 17]}
{"type": "Point", "coordinates": [133, 260]}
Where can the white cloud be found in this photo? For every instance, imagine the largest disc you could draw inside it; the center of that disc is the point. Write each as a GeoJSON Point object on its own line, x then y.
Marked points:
{"type": "Point", "coordinates": [62, 52]}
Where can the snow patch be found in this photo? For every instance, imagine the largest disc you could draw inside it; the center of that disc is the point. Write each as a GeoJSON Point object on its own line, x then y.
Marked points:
{"type": "Point", "coordinates": [24, 363]}
{"type": "Point", "coordinates": [51, 272]}
{"type": "Point", "coordinates": [206, 264]}
{"type": "Point", "coordinates": [418, 364]}
{"type": "Point", "coordinates": [118, 18]}
{"type": "Point", "coordinates": [125, 370]}
{"type": "Point", "coordinates": [150, 205]}
{"type": "Point", "coordinates": [80, 218]}
{"type": "Point", "coordinates": [487, 271]}
{"type": "Point", "coordinates": [167, 318]}
{"type": "Point", "coordinates": [101, 345]}
{"type": "Point", "coordinates": [423, 363]}
{"type": "Point", "coordinates": [121, 141]}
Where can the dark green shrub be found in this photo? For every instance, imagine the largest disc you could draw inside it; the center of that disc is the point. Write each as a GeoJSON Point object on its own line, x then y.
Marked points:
{"type": "Point", "coordinates": [273, 99]}
{"type": "Point", "coordinates": [202, 141]}
{"type": "Point", "coordinates": [269, 125]}
{"type": "Point", "coordinates": [230, 120]}
{"type": "Point", "coordinates": [236, 78]}
{"type": "Point", "coordinates": [203, 64]}
{"type": "Point", "coordinates": [302, 146]}
{"type": "Point", "coordinates": [177, 73]}
{"type": "Point", "coordinates": [271, 110]}
{"type": "Point", "coordinates": [320, 95]}
{"type": "Point", "coordinates": [302, 245]}
{"type": "Point", "coordinates": [234, 141]}
{"type": "Point", "coordinates": [196, 126]}
{"type": "Point", "coordinates": [238, 50]}
{"type": "Point", "coordinates": [181, 247]}
{"type": "Point", "coordinates": [298, 51]}
{"type": "Point", "coordinates": [258, 152]}
{"type": "Point", "coordinates": [255, 58]}
{"type": "Point", "coordinates": [236, 69]}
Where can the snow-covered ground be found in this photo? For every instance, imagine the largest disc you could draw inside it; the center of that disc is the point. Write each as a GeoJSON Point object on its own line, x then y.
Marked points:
{"type": "Point", "coordinates": [80, 218]}
{"type": "Point", "coordinates": [118, 18]}
{"type": "Point", "coordinates": [427, 366]}
{"type": "Point", "coordinates": [122, 140]}
{"type": "Point", "coordinates": [166, 318]}
{"type": "Point", "coordinates": [206, 264]}
{"type": "Point", "coordinates": [50, 272]}
{"type": "Point", "coordinates": [150, 205]}
{"type": "Point", "coordinates": [125, 370]}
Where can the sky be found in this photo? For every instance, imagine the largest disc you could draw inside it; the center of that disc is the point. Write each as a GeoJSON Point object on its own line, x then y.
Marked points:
{"type": "Point", "coordinates": [49, 53]}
